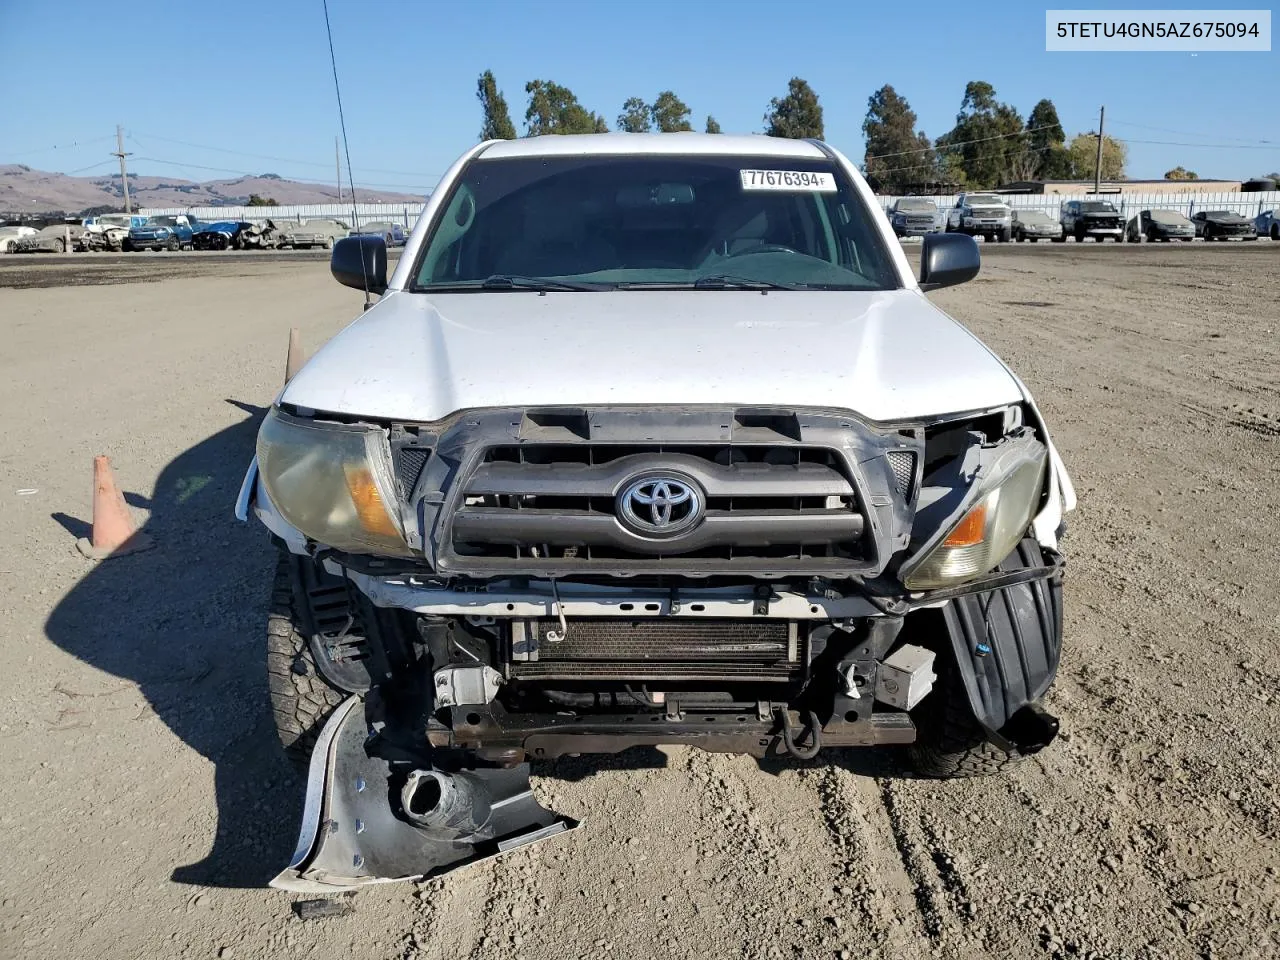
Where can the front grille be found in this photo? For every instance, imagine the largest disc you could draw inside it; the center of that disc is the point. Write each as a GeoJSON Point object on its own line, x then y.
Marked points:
{"type": "Point", "coordinates": [662, 649]}
{"type": "Point", "coordinates": [560, 501]}
{"type": "Point", "coordinates": [988, 214]}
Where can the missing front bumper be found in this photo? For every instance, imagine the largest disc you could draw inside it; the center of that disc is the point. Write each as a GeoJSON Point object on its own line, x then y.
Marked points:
{"type": "Point", "coordinates": [354, 835]}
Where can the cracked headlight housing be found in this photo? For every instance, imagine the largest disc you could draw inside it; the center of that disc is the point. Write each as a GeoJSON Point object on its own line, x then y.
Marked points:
{"type": "Point", "coordinates": [1004, 499]}
{"type": "Point", "coordinates": [334, 482]}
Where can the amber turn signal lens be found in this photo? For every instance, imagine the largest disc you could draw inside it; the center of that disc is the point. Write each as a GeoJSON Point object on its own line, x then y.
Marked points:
{"type": "Point", "coordinates": [970, 531]}
{"type": "Point", "coordinates": [368, 503]}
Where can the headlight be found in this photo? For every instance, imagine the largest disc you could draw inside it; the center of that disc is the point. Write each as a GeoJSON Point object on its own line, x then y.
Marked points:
{"type": "Point", "coordinates": [1005, 495]}
{"type": "Point", "coordinates": [334, 482]}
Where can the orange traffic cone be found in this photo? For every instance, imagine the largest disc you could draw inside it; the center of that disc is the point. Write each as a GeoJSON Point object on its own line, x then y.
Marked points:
{"type": "Point", "coordinates": [113, 531]}
{"type": "Point", "coordinates": [294, 361]}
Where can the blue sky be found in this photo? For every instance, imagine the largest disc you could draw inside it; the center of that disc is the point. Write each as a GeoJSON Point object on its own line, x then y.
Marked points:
{"type": "Point", "coordinates": [254, 78]}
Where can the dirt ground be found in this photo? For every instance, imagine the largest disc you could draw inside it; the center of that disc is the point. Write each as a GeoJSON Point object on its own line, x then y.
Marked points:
{"type": "Point", "coordinates": [144, 803]}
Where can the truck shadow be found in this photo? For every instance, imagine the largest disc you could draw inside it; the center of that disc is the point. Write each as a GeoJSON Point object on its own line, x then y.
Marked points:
{"type": "Point", "coordinates": [184, 622]}
{"type": "Point", "coordinates": [869, 762]}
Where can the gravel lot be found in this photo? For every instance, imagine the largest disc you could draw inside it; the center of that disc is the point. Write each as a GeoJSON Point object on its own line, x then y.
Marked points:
{"type": "Point", "coordinates": [144, 803]}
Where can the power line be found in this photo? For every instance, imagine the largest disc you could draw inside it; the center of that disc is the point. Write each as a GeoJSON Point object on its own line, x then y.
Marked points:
{"type": "Point", "coordinates": [1257, 145]}
{"type": "Point", "coordinates": [915, 166]}
{"type": "Point", "coordinates": [92, 166]}
{"type": "Point", "coordinates": [248, 173]}
{"type": "Point", "coordinates": [1048, 147]}
{"type": "Point", "coordinates": [342, 122]}
{"type": "Point", "coordinates": [68, 146]}
{"type": "Point", "coordinates": [1189, 133]}
{"type": "Point", "coordinates": [258, 156]}
{"type": "Point", "coordinates": [1215, 146]}
{"type": "Point", "coordinates": [962, 143]}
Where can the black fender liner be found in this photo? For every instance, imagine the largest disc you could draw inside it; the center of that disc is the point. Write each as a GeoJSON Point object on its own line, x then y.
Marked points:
{"type": "Point", "coordinates": [1007, 644]}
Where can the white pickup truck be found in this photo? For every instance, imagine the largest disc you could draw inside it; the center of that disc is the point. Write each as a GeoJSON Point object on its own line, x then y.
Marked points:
{"type": "Point", "coordinates": [981, 215]}
{"type": "Point", "coordinates": [649, 439]}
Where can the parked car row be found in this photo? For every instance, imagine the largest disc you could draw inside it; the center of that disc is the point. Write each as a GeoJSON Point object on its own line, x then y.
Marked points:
{"type": "Point", "coordinates": [174, 232]}
{"type": "Point", "coordinates": [987, 215]}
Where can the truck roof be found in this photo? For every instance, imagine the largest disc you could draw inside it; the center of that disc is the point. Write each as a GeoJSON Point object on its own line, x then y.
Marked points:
{"type": "Point", "coordinates": [628, 144]}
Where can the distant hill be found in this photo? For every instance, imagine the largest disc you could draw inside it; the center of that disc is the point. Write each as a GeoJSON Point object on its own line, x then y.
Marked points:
{"type": "Point", "coordinates": [23, 190]}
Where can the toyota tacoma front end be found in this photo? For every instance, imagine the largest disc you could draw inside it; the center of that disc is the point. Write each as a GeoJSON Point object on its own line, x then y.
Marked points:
{"type": "Point", "coordinates": [649, 440]}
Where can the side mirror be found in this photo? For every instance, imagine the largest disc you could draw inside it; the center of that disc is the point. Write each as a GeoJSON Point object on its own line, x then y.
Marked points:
{"type": "Point", "coordinates": [947, 259]}
{"type": "Point", "coordinates": [360, 262]}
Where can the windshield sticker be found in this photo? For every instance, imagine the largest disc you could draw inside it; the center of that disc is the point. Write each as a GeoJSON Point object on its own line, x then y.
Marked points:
{"type": "Point", "coordinates": [788, 180]}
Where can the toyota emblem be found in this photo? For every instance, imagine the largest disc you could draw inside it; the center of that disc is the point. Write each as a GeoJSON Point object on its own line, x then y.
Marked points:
{"type": "Point", "coordinates": [660, 506]}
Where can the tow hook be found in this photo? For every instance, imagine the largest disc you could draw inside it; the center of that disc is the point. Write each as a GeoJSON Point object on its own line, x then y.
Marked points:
{"type": "Point", "coordinates": [813, 727]}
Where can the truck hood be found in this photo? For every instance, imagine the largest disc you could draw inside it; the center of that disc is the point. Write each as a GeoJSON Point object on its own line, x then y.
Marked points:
{"type": "Point", "coordinates": [886, 355]}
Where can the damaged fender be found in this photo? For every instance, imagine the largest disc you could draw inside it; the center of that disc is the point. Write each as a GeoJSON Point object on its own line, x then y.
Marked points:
{"type": "Point", "coordinates": [368, 820]}
{"type": "Point", "coordinates": [1007, 645]}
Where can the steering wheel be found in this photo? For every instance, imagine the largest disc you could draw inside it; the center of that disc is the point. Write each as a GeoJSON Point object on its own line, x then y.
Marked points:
{"type": "Point", "coordinates": [763, 248]}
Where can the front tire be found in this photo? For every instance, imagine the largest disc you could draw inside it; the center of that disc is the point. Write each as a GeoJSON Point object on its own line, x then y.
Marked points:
{"type": "Point", "coordinates": [301, 699]}
{"type": "Point", "coordinates": [950, 743]}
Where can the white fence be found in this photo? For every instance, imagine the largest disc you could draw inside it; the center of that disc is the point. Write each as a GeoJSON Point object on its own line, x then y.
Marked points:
{"type": "Point", "coordinates": [406, 214]}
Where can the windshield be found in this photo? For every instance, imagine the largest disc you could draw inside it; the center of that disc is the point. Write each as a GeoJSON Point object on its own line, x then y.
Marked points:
{"type": "Point", "coordinates": [917, 206]}
{"type": "Point", "coordinates": [1218, 213]}
{"type": "Point", "coordinates": [1096, 206]}
{"type": "Point", "coordinates": [1167, 216]}
{"type": "Point", "coordinates": [1034, 216]}
{"type": "Point", "coordinates": [163, 222]}
{"type": "Point", "coordinates": [633, 222]}
{"type": "Point", "coordinates": [983, 198]}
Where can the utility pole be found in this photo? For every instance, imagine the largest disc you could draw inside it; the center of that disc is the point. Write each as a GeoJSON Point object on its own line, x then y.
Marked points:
{"type": "Point", "coordinates": [124, 174]}
{"type": "Point", "coordinates": [337, 159]}
{"type": "Point", "coordinates": [1097, 164]}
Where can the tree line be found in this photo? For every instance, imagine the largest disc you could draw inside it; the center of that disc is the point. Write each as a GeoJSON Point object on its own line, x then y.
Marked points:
{"type": "Point", "coordinates": [554, 109]}
{"type": "Point", "coordinates": [990, 143]}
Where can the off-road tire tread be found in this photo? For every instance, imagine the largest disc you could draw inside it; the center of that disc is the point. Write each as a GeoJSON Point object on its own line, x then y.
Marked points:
{"type": "Point", "coordinates": [951, 744]}
{"type": "Point", "coordinates": [301, 699]}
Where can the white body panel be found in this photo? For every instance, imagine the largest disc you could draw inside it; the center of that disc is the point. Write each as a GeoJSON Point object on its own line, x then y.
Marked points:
{"type": "Point", "coordinates": [888, 355]}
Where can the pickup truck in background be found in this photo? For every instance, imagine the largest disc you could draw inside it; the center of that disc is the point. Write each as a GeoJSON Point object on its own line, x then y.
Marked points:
{"type": "Point", "coordinates": [981, 214]}
{"type": "Point", "coordinates": [913, 217]}
{"type": "Point", "coordinates": [1092, 218]}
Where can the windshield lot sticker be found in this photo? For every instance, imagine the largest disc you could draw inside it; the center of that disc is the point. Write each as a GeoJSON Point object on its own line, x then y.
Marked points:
{"type": "Point", "coordinates": [788, 180]}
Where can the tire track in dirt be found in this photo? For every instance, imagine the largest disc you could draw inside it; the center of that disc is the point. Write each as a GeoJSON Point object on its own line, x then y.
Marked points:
{"type": "Point", "coordinates": [894, 899]}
